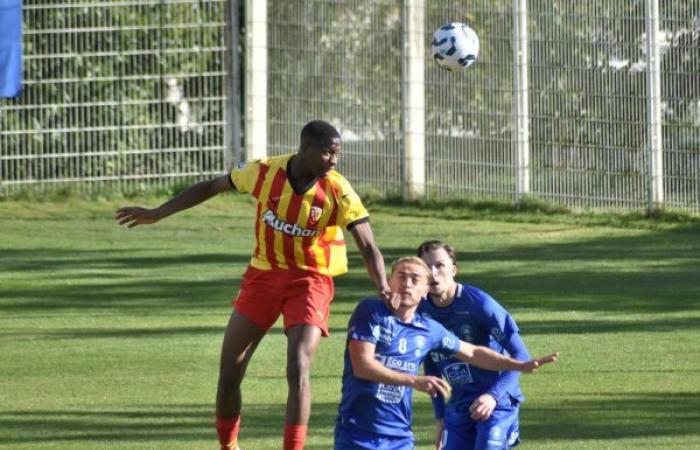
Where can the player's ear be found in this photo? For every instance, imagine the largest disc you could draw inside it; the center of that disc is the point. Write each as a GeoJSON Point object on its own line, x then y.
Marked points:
{"type": "Point", "coordinates": [454, 270]}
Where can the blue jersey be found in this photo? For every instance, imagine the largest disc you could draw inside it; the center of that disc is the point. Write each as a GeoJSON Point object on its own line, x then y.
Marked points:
{"type": "Point", "coordinates": [477, 318]}
{"type": "Point", "coordinates": [378, 408]}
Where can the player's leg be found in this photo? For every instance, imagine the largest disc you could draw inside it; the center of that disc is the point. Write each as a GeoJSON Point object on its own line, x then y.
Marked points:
{"type": "Point", "coordinates": [500, 431]}
{"type": "Point", "coordinates": [240, 341]}
{"type": "Point", "coordinates": [302, 341]}
{"type": "Point", "coordinates": [257, 307]}
{"type": "Point", "coordinates": [305, 310]}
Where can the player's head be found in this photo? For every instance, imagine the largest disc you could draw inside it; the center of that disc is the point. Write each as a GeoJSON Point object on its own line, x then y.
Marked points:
{"type": "Point", "coordinates": [319, 147]}
{"type": "Point", "coordinates": [442, 261]}
{"type": "Point", "coordinates": [410, 279]}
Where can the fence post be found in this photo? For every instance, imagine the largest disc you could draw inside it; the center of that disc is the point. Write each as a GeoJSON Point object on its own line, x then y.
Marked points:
{"type": "Point", "coordinates": [256, 79]}
{"type": "Point", "coordinates": [413, 98]}
{"type": "Point", "coordinates": [232, 121]}
{"type": "Point", "coordinates": [521, 110]}
{"type": "Point", "coordinates": [654, 118]}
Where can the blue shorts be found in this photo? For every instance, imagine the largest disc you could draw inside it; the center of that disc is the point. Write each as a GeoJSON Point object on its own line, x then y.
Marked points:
{"type": "Point", "coordinates": [500, 432]}
{"type": "Point", "coordinates": [361, 440]}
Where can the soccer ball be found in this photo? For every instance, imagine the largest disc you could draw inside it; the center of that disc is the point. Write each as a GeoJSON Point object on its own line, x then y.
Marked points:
{"type": "Point", "coordinates": [455, 46]}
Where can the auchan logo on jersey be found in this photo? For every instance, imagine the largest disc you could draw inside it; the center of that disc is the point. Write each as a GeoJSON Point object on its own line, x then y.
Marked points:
{"type": "Point", "coordinates": [291, 229]}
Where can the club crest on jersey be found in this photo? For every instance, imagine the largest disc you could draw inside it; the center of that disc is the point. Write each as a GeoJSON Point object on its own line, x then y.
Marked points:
{"type": "Point", "coordinates": [465, 332]}
{"type": "Point", "coordinates": [292, 229]}
{"type": "Point", "coordinates": [497, 334]}
{"type": "Point", "coordinates": [315, 213]}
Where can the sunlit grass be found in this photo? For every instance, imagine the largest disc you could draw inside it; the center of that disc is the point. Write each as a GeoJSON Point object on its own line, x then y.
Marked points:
{"type": "Point", "coordinates": [110, 338]}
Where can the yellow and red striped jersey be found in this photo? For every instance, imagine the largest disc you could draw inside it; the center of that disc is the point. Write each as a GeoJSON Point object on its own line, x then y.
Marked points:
{"type": "Point", "coordinates": [299, 230]}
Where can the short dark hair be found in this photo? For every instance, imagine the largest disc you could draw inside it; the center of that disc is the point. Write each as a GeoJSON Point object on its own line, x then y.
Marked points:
{"type": "Point", "coordinates": [429, 246]}
{"type": "Point", "coordinates": [318, 134]}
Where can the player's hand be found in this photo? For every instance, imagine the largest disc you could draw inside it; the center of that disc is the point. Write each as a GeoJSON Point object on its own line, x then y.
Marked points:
{"type": "Point", "coordinates": [433, 386]}
{"type": "Point", "coordinates": [391, 299]}
{"type": "Point", "coordinates": [482, 407]}
{"type": "Point", "coordinates": [531, 366]}
{"type": "Point", "coordinates": [134, 215]}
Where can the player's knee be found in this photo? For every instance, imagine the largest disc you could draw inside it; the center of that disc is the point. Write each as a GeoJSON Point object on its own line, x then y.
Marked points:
{"type": "Point", "coordinates": [298, 369]}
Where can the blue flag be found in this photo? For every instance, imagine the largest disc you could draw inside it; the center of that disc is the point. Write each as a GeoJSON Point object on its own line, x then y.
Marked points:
{"type": "Point", "coordinates": [10, 48]}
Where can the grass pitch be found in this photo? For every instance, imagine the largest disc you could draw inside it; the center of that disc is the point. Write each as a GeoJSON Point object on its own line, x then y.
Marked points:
{"type": "Point", "coordinates": [109, 338]}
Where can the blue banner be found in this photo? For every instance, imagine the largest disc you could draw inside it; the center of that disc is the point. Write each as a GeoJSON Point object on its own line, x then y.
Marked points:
{"type": "Point", "coordinates": [10, 48]}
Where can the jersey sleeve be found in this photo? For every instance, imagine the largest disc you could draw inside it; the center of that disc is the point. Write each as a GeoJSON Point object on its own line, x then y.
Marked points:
{"type": "Point", "coordinates": [245, 175]}
{"type": "Point", "coordinates": [508, 381]}
{"type": "Point", "coordinates": [443, 339]}
{"type": "Point", "coordinates": [364, 324]}
{"type": "Point", "coordinates": [350, 207]}
{"type": "Point", "coordinates": [504, 330]}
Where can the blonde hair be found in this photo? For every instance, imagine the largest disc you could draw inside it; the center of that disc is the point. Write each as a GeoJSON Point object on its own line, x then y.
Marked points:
{"type": "Point", "coordinates": [413, 260]}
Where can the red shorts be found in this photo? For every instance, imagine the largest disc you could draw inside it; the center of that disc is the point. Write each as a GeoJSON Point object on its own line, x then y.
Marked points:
{"type": "Point", "coordinates": [301, 297]}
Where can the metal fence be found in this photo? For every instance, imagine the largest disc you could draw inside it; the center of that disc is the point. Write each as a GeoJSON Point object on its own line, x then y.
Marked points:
{"type": "Point", "coordinates": [560, 105]}
{"type": "Point", "coordinates": [126, 92]}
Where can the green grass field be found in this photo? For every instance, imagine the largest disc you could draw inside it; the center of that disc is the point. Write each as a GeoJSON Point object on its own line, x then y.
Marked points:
{"type": "Point", "coordinates": [109, 338]}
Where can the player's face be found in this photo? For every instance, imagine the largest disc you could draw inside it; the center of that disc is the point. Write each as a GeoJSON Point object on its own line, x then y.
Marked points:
{"type": "Point", "coordinates": [410, 282]}
{"type": "Point", "coordinates": [443, 270]}
{"type": "Point", "coordinates": [321, 160]}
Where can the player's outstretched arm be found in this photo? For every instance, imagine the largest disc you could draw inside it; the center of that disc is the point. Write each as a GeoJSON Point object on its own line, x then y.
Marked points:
{"type": "Point", "coordinates": [366, 366]}
{"type": "Point", "coordinates": [374, 261]}
{"type": "Point", "coordinates": [486, 358]}
{"type": "Point", "coordinates": [132, 216]}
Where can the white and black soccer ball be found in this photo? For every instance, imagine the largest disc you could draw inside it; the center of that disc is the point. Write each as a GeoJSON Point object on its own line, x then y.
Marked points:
{"type": "Point", "coordinates": [455, 46]}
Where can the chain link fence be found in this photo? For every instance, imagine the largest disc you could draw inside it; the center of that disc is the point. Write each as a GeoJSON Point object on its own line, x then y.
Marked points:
{"type": "Point", "coordinates": [139, 93]}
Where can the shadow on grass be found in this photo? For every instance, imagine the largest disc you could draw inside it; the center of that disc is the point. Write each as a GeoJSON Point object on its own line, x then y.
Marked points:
{"type": "Point", "coordinates": [560, 276]}
{"type": "Point", "coordinates": [618, 416]}
{"type": "Point", "coordinates": [167, 423]}
{"type": "Point", "coordinates": [551, 327]}
{"type": "Point", "coordinates": [164, 423]}
{"type": "Point", "coordinates": [113, 333]}
{"type": "Point", "coordinates": [572, 419]}
{"type": "Point", "coordinates": [610, 417]}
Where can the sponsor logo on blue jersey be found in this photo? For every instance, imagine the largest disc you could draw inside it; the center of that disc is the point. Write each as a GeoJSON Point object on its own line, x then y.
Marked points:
{"type": "Point", "coordinates": [458, 373]}
{"type": "Point", "coordinates": [389, 393]}
{"type": "Point", "coordinates": [397, 364]}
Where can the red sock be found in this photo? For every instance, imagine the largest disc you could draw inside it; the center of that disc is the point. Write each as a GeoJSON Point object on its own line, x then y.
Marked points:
{"type": "Point", "coordinates": [295, 437]}
{"type": "Point", "coordinates": [227, 429]}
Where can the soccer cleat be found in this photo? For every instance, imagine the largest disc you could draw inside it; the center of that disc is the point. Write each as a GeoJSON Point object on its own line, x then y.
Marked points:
{"type": "Point", "coordinates": [227, 447]}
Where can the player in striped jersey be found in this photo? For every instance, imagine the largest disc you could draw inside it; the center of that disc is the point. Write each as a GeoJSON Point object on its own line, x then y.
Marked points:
{"type": "Point", "coordinates": [303, 205]}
